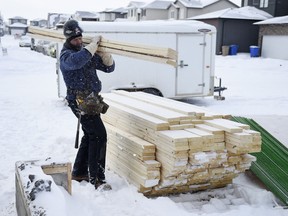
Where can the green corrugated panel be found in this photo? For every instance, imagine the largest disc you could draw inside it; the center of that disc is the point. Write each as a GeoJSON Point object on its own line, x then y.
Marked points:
{"type": "Point", "coordinates": [271, 166]}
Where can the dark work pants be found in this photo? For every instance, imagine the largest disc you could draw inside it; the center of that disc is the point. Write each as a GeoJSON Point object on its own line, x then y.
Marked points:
{"type": "Point", "coordinates": [91, 155]}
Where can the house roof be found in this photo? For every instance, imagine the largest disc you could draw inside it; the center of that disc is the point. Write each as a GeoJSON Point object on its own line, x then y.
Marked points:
{"type": "Point", "coordinates": [136, 4]}
{"type": "Point", "coordinates": [17, 17]}
{"type": "Point", "coordinates": [158, 4]}
{"type": "Point", "coordinates": [86, 14]}
{"type": "Point", "coordinates": [249, 13]}
{"type": "Point", "coordinates": [18, 25]}
{"type": "Point", "coordinates": [38, 19]}
{"type": "Point", "coordinates": [117, 10]}
{"type": "Point", "coordinates": [275, 20]}
{"type": "Point", "coordinates": [197, 3]}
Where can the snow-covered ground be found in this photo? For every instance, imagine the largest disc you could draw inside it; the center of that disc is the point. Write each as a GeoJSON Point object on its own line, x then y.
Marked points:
{"type": "Point", "coordinates": [35, 124]}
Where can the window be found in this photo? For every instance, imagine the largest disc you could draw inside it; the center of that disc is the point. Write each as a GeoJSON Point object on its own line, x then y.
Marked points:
{"type": "Point", "coordinates": [255, 2]}
{"type": "Point", "coordinates": [264, 3]}
{"type": "Point", "coordinates": [172, 14]}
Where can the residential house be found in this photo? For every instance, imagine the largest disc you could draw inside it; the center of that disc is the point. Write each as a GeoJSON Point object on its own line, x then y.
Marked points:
{"type": "Point", "coordinates": [2, 27]}
{"type": "Point", "coordinates": [38, 22]}
{"type": "Point", "coordinates": [183, 9]}
{"type": "Point", "coordinates": [85, 16]}
{"type": "Point", "coordinates": [57, 20]}
{"type": "Point", "coordinates": [110, 15]}
{"type": "Point", "coordinates": [134, 10]}
{"type": "Point", "coordinates": [156, 10]}
{"type": "Point", "coordinates": [17, 26]}
{"type": "Point", "coordinates": [235, 26]}
{"type": "Point", "coordinates": [274, 7]}
{"type": "Point", "coordinates": [273, 37]}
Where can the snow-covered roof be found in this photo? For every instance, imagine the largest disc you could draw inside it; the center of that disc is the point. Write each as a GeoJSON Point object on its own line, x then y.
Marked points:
{"type": "Point", "coordinates": [158, 4]}
{"type": "Point", "coordinates": [117, 10]}
{"type": "Point", "coordinates": [197, 3]}
{"type": "Point", "coordinates": [86, 14]}
{"type": "Point", "coordinates": [38, 19]}
{"type": "Point", "coordinates": [275, 20]}
{"type": "Point", "coordinates": [248, 12]}
{"type": "Point", "coordinates": [175, 6]}
{"type": "Point", "coordinates": [21, 25]}
{"type": "Point", "coordinates": [17, 17]}
{"type": "Point", "coordinates": [136, 4]}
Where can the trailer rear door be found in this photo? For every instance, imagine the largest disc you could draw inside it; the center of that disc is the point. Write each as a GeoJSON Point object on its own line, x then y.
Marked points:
{"type": "Point", "coordinates": [190, 64]}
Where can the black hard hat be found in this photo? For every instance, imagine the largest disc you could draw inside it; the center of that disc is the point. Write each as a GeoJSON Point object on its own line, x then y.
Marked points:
{"type": "Point", "coordinates": [72, 29]}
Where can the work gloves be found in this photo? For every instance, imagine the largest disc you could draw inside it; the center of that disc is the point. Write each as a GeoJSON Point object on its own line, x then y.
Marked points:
{"type": "Point", "coordinates": [93, 45]}
{"type": "Point", "coordinates": [92, 48]}
{"type": "Point", "coordinates": [106, 58]}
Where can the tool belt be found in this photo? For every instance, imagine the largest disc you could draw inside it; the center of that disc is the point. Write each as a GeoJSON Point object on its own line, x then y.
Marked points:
{"type": "Point", "coordinates": [91, 103]}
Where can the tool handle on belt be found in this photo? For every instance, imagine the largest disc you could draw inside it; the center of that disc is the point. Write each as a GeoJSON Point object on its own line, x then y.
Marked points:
{"type": "Point", "coordinates": [77, 132]}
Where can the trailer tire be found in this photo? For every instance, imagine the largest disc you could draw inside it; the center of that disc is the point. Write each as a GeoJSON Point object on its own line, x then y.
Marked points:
{"type": "Point", "coordinates": [153, 91]}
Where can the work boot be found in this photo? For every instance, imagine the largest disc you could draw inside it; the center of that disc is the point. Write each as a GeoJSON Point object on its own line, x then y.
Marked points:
{"type": "Point", "coordinates": [100, 185]}
{"type": "Point", "coordinates": [80, 178]}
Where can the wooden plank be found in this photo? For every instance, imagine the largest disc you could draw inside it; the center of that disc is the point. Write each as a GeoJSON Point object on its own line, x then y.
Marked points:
{"type": "Point", "coordinates": [155, 54]}
{"type": "Point", "coordinates": [125, 170]}
{"type": "Point", "coordinates": [206, 136]}
{"type": "Point", "coordinates": [135, 115]}
{"type": "Point", "coordinates": [137, 48]}
{"type": "Point", "coordinates": [179, 106]}
{"type": "Point", "coordinates": [138, 56]}
{"type": "Point", "coordinates": [170, 116]}
{"type": "Point", "coordinates": [181, 126]}
{"type": "Point", "coordinates": [223, 124]}
{"type": "Point", "coordinates": [159, 101]}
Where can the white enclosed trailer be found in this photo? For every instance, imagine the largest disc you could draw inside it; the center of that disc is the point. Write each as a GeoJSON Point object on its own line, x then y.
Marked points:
{"type": "Point", "coordinates": [193, 40]}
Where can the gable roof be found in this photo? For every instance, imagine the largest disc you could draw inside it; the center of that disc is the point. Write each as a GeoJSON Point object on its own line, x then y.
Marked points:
{"type": "Point", "coordinates": [120, 10]}
{"type": "Point", "coordinates": [17, 17]}
{"type": "Point", "coordinates": [136, 4]}
{"type": "Point", "coordinates": [18, 25]}
{"type": "Point", "coordinates": [158, 4]}
{"type": "Point", "coordinates": [197, 3]}
{"type": "Point", "coordinates": [248, 12]}
{"type": "Point", "coordinates": [86, 14]}
{"type": "Point", "coordinates": [275, 20]}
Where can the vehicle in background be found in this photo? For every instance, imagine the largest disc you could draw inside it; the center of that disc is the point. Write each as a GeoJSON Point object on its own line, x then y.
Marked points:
{"type": "Point", "coordinates": [52, 49]}
{"type": "Point", "coordinates": [193, 76]}
{"type": "Point", "coordinates": [25, 41]}
{"type": "Point", "coordinates": [42, 46]}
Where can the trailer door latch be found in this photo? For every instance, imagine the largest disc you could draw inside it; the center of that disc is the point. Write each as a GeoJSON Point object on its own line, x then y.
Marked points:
{"type": "Point", "coordinates": [182, 64]}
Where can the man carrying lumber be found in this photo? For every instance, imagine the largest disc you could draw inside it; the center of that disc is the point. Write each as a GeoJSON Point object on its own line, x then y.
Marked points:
{"type": "Point", "coordinates": [78, 64]}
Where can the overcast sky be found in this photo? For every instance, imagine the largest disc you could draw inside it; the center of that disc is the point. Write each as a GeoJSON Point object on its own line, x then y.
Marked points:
{"type": "Point", "coordinates": [33, 9]}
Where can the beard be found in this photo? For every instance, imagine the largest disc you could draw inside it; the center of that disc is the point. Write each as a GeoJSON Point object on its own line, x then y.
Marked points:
{"type": "Point", "coordinates": [68, 45]}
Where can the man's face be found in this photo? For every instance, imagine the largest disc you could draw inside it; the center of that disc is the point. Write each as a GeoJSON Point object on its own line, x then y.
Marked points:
{"type": "Point", "coordinates": [77, 42]}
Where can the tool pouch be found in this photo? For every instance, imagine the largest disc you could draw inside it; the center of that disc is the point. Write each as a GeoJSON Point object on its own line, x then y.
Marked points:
{"type": "Point", "coordinates": [91, 103]}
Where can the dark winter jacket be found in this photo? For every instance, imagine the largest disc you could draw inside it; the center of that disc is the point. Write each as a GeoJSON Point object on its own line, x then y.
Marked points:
{"type": "Point", "coordinates": [79, 70]}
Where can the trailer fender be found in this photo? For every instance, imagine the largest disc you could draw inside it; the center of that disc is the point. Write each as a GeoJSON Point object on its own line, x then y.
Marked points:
{"type": "Point", "coordinates": [149, 90]}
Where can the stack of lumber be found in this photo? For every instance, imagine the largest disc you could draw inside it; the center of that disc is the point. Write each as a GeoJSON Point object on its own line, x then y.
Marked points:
{"type": "Point", "coordinates": [139, 51]}
{"type": "Point", "coordinates": [163, 146]}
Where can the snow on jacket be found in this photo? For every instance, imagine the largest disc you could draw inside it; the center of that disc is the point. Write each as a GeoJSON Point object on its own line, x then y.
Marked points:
{"type": "Point", "coordinates": [79, 70]}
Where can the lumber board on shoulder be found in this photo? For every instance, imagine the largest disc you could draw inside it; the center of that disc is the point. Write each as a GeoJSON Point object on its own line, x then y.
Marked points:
{"type": "Point", "coordinates": [137, 48]}
{"type": "Point", "coordinates": [139, 51]}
